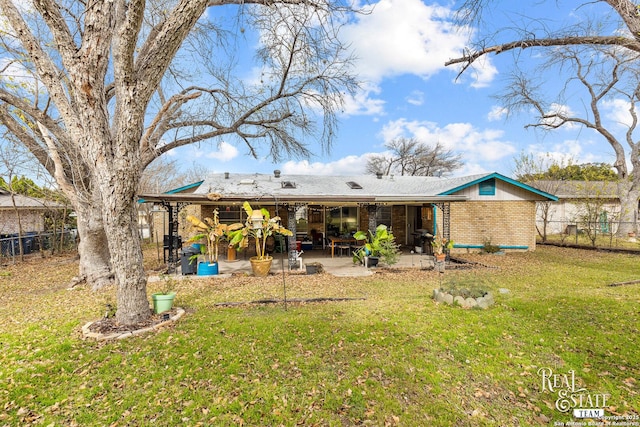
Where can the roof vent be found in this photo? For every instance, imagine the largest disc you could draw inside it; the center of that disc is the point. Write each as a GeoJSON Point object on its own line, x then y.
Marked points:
{"type": "Point", "coordinates": [354, 185]}
{"type": "Point", "coordinates": [379, 175]}
{"type": "Point", "coordinates": [288, 184]}
{"type": "Point", "coordinates": [226, 175]}
{"type": "Point", "coordinates": [276, 173]}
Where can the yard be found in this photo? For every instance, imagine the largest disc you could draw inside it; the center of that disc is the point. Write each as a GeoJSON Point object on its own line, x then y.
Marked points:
{"type": "Point", "coordinates": [392, 358]}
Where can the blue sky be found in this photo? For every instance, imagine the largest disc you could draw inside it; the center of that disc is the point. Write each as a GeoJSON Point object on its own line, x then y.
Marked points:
{"type": "Point", "coordinates": [401, 47]}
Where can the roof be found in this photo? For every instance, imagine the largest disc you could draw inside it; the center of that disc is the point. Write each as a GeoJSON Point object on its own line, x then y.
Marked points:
{"type": "Point", "coordinates": [468, 181]}
{"type": "Point", "coordinates": [329, 189]}
{"type": "Point", "coordinates": [25, 202]}
{"type": "Point", "coordinates": [579, 189]}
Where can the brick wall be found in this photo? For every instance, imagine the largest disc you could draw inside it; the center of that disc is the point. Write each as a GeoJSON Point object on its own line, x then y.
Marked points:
{"type": "Point", "coordinates": [31, 220]}
{"type": "Point", "coordinates": [501, 222]}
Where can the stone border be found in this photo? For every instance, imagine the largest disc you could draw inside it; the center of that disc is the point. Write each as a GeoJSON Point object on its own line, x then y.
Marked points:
{"type": "Point", "coordinates": [483, 302]}
{"type": "Point", "coordinates": [86, 333]}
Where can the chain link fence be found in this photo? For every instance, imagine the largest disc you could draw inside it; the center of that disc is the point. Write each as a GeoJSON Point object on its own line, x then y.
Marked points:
{"type": "Point", "coordinates": [588, 233]}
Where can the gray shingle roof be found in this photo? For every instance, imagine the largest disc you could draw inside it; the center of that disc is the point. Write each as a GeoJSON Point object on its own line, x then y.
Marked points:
{"type": "Point", "coordinates": [336, 186]}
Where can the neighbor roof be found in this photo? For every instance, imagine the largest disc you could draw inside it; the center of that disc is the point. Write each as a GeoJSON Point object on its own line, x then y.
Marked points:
{"type": "Point", "coordinates": [25, 202]}
{"type": "Point", "coordinates": [329, 189]}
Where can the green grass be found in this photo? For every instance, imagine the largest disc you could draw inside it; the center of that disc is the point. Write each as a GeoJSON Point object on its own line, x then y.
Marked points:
{"type": "Point", "coordinates": [394, 358]}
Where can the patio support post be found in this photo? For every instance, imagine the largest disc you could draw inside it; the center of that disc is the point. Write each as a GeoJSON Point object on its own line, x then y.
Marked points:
{"type": "Point", "coordinates": [372, 210]}
{"type": "Point", "coordinates": [173, 246]}
{"type": "Point", "coordinates": [291, 225]}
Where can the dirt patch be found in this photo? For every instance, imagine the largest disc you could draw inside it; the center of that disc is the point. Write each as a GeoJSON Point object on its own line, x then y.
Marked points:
{"type": "Point", "coordinates": [110, 326]}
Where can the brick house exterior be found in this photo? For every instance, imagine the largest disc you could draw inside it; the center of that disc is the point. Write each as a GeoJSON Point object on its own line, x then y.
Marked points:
{"type": "Point", "coordinates": [471, 210]}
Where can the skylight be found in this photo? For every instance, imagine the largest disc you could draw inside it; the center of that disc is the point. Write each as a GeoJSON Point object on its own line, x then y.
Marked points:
{"type": "Point", "coordinates": [288, 184]}
{"type": "Point", "coordinates": [354, 185]}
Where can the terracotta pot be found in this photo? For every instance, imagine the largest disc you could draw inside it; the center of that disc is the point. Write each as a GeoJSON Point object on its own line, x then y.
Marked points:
{"type": "Point", "coordinates": [440, 257]}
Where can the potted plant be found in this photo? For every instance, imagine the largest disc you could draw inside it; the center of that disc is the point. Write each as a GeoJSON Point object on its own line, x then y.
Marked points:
{"type": "Point", "coordinates": [163, 301]}
{"type": "Point", "coordinates": [259, 226]}
{"type": "Point", "coordinates": [212, 232]}
{"type": "Point", "coordinates": [380, 244]}
{"type": "Point", "coordinates": [441, 247]}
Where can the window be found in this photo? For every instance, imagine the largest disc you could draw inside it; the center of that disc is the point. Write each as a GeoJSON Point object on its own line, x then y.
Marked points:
{"type": "Point", "coordinates": [342, 221]}
{"type": "Point", "coordinates": [230, 214]}
{"type": "Point", "coordinates": [487, 188]}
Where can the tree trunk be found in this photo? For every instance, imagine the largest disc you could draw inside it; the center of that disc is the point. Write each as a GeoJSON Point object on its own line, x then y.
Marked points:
{"type": "Point", "coordinates": [121, 225]}
{"type": "Point", "coordinates": [629, 207]}
{"type": "Point", "coordinates": [95, 259]}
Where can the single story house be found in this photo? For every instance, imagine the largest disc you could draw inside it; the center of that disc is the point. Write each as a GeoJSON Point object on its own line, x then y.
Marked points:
{"type": "Point", "coordinates": [471, 210]}
{"type": "Point", "coordinates": [29, 210]}
{"type": "Point", "coordinates": [578, 202]}
{"type": "Point", "coordinates": [19, 213]}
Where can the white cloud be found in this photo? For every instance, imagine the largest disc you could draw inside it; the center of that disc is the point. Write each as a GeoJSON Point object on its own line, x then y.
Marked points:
{"type": "Point", "coordinates": [226, 152]}
{"type": "Point", "coordinates": [416, 98]}
{"type": "Point", "coordinates": [461, 138]}
{"type": "Point", "coordinates": [563, 109]}
{"type": "Point", "coordinates": [350, 165]}
{"type": "Point", "coordinates": [403, 37]}
{"type": "Point", "coordinates": [497, 113]}
{"type": "Point", "coordinates": [617, 110]}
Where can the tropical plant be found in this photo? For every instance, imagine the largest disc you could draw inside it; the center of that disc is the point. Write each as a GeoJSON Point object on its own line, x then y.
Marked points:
{"type": "Point", "coordinates": [441, 245]}
{"type": "Point", "coordinates": [212, 231]}
{"type": "Point", "coordinates": [379, 244]}
{"type": "Point", "coordinates": [259, 225]}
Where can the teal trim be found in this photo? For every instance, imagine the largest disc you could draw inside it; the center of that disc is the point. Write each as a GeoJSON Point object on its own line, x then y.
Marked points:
{"type": "Point", "coordinates": [501, 177]}
{"type": "Point", "coordinates": [465, 246]}
{"type": "Point", "coordinates": [185, 187]}
{"type": "Point", "coordinates": [178, 190]}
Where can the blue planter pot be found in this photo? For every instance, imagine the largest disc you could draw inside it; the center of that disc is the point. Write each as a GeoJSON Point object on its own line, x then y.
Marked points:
{"type": "Point", "coordinates": [206, 269]}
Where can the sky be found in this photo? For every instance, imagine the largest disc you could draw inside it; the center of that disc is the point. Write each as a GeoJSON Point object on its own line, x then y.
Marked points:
{"type": "Point", "coordinates": [401, 48]}
{"type": "Point", "coordinates": [406, 91]}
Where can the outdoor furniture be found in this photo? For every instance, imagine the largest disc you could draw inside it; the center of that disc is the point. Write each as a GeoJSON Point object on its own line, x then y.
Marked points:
{"type": "Point", "coordinates": [343, 248]}
{"type": "Point", "coordinates": [336, 241]}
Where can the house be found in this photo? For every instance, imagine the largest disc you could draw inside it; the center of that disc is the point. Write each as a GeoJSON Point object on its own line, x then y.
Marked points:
{"type": "Point", "coordinates": [22, 214]}
{"type": "Point", "coordinates": [578, 203]}
{"type": "Point", "coordinates": [471, 210]}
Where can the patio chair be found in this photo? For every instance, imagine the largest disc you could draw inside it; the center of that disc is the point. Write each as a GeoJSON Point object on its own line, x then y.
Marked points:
{"type": "Point", "coordinates": [343, 248]}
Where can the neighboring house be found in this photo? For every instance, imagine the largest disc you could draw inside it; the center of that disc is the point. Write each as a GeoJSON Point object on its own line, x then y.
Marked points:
{"type": "Point", "coordinates": [578, 202]}
{"type": "Point", "coordinates": [30, 210]}
{"type": "Point", "coordinates": [22, 214]}
{"type": "Point", "coordinates": [471, 210]}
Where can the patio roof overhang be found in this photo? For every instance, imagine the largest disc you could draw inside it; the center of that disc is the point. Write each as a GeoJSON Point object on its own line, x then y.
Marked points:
{"type": "Point", "coordinates": [327, 200]}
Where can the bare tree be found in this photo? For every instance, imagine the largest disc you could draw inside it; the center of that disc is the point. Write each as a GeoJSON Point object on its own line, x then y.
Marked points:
{"type": "Point", "coordinates": [600, 75]}
{"type": "Point", "coordinates": [107, 102]}
{"type": "Point", "coordinates": [603, 58]}
{"type": "Point", "coordinates": [414, 158]}
{"type": "Point", "coordinates": [537, 171]}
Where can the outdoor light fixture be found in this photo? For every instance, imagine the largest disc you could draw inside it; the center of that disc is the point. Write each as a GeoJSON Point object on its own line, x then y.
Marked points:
{"type": "Point", "coordinates": [256, 219]}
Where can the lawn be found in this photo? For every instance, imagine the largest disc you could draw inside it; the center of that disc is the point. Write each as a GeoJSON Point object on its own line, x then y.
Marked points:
{"type": "Point", "coordinates": [392, 358]}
